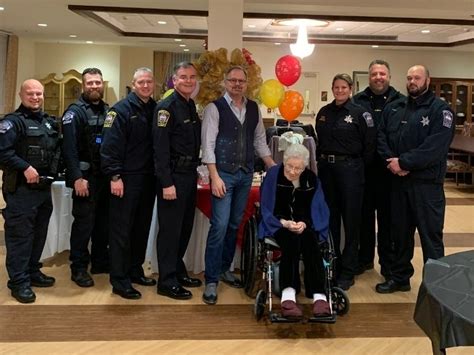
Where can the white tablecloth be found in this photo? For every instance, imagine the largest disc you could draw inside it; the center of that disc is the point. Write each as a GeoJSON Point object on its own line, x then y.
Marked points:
{"type": "Point", "coordinates": [59, 232]}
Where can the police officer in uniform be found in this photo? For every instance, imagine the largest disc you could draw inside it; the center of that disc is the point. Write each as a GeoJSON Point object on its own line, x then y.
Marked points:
{"type": "Point", "coordinates": [82, 125]}
{"type": "Point", "coordinates": [377, 178]}
{"type": "Point", "coordinates": [414, 139]}
{"type": "Point", "coordinates": [176, 143]}
{"type": "Point", "coordinates": [29, 156]}
{"type": "Point", "coordinates": [346, 136]}
{"type": "Point", "coordinates": [127, 159]}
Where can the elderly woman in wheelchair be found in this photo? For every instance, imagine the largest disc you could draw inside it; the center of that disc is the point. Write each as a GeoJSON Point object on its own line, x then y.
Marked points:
{"type": "Point", "coordinates": [294, 212]}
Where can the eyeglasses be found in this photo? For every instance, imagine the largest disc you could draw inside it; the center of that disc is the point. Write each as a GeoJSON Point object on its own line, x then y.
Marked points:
{"type": "Point", "coordinates": [293, 168]}
{"type": "Point", "coordinates": [235, 81]}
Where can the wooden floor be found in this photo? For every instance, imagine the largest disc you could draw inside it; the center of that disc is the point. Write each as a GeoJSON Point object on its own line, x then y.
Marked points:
{"type": "Point", "coordinates": [66, 319]}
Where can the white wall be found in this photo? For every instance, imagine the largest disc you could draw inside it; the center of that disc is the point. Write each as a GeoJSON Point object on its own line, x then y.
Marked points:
{"type": "Point", "coordinates": [327, 61]}
{"type": "Point", "coordinates": [26, 64]}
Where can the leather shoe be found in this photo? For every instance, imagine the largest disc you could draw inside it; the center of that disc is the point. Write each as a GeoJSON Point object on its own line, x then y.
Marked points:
{"type": "Point", "coordinates": [391, 286]}
{"type": "Point", "coordinates": [229, 278]}
{"type": "Point", "coordinates": [144, 281]}
{"type": "Point", "coordinates": [82, 278]}
{"type": "Point", "coordinates": [289, 309]}
{"type": "Point", "coordinates": [39, 279]}
{"type": "Point", "coordinates": [187, 281]}
{"type": "Point", "coordinates": [129, 293]}
{"type": "Point", "coordinates": [321, 309]}
{"type": "Point", "coordinates": [24, 294]}
{"type": "Point", "coordinates": [210, 294]}
{"type": "Point", "coordinates": [176, 292]}
{"type": "Point", "coordinates": [345, 284]}
{"type": "Point", "coordinates": [363, 268]}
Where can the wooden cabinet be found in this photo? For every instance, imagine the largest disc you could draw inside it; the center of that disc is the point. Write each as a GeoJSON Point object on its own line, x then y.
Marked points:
{"type": "Point", "coordinates": [60, 93]}
{"type": "Point", "coordinates": [459, 94]}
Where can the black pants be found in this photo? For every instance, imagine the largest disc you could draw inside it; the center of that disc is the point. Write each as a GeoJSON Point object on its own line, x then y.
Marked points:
{"type": "Point", "coordinates": [376, 198]}
{"type": "Point", "coordinates": [343, 186]}
{"type": "Point", "coordinates": [176, 219]}
{"type": "Point", "coordinates": [26, 225]}
{"type": "Point", "coordinates": [292, 246]}
{"type": "Point", "coordinates": [416, 205]}
{"type": "Point", "coordinates": [130, 219]}
{"type": "Point", "coordinates": [91, 223]}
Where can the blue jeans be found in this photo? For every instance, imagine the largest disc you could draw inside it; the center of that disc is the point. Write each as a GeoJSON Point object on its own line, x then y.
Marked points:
{"type": "Point", "coordinates": [225, 220]}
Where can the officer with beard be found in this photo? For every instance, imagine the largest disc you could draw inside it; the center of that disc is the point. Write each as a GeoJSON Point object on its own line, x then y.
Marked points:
{"type": "Point", "coordinates": [82, 124]}
{"type": "Point", "coordinates": [29, 151]}
{"type": "Point", "coordinates": [414, 139]}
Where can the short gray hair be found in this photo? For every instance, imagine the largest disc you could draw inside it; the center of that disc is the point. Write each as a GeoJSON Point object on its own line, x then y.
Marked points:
{"type": "Point", "coordinates": [298, 151]}
{"type": "Point", "coordinates": [140, 71]}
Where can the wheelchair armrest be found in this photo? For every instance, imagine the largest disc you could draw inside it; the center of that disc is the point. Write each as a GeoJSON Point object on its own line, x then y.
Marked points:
{"type": "Point", "coordinates": [270, 241]}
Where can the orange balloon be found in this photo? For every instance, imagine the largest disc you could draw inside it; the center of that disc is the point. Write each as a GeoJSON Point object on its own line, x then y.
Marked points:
{"type": "Point", "coordinates": [292, 105]}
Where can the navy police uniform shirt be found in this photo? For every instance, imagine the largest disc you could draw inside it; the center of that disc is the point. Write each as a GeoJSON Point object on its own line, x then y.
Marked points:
{"type": "Point", "coordinates": [419, 132]}
{"type": "Point", "coordinates": [346, 129]}
{"type": "Point", "coordinates": [13, 132]}
{"type": "Point", "coordinates": [176, 137]}
{"type": "Point", "coordinates": [126, 146]}
{"type": "Point", "coordinates": [79, 135]}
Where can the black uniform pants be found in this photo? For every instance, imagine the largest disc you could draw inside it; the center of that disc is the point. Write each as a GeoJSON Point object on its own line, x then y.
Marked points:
{"type": "Point", "coordinates": [376, 198]}
{"type": "Point", "coordinates": [292, 246]}
{"type": "Point", "coordinates": [91, 223]}
{"type": "Point", "coordinates": [175, 218]}
{"type": "Point", "coordinates": [416, 205]}
{"type": "Point", "coordinates": [26, 225]}
{"type": "Point", "coordinates": [343, 186]}
{"type": "Point", "coordinates": [130, 219]}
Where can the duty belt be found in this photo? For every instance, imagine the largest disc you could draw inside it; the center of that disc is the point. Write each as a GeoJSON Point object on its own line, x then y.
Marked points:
{"type": "Point", "coordinates": [332, 158]}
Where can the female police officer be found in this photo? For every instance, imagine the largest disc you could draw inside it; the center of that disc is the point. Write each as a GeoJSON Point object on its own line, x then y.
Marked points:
{"type": "Point", "coordinates": [346, 137]}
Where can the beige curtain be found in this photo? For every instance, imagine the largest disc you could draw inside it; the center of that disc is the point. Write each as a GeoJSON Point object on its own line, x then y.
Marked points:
{"type": "Point", "coordinates": [161, 65]}
{"type": "Point", "coordinates": [11, 73]}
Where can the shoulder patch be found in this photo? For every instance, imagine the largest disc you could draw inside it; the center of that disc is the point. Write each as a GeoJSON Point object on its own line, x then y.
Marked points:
{"type": "Point", "coordinates": [68, 116]}
{"type": "Point", "coordinates": [109, 119]}
{"type": "Point", "coordinates": [5, 125]}
{"type": "Point", "coordinates": [447, 118]}
{"type": "Point", "coordinates": [368, 119]}
{"type": "Point", "coordinates": [162, 119]}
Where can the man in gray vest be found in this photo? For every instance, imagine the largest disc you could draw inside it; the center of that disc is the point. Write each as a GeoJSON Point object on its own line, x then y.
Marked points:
{"type": "Point", "coordinates": [82, 128]}
{"type": "Point", "coordinates": [232, 132]}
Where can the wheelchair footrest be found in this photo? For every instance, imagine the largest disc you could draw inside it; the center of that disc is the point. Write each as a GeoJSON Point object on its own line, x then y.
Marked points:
{"type": "Point", "coordinates": [278, 318]}
{"type": "Point", "coordinates": [328, 319]}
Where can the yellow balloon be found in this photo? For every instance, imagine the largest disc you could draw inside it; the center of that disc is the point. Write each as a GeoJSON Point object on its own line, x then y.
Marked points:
{"type": "Point", "coordinates": [167, 93]}
{"type": "Point", "coordinates": [272, 93]}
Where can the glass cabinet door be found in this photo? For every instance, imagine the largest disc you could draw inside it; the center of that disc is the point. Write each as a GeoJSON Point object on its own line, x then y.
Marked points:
{"type": "Point", "coordinates": [52, 101]}
{"type": "Point", "coordinates": [446, 93]}
{"type": "Point", "coordinates": [461, 103]}
{"type": "Point", "coordinates": [72, 91]}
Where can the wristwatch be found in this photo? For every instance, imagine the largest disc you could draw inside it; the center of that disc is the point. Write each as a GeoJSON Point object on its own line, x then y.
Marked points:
{"type": "Point", "coordinates": [115, 177]}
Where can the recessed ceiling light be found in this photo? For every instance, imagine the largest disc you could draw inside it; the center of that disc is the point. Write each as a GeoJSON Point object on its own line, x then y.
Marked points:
{"type": "Point", "coordinates": [251, 26]}
{"type": "Point", "coordinates": [161, 22]}
{"type": "Point", "coordinates": [425, 31]}
{"type": "Point", "coordinates": [339, 29]}
{"type": "Point", "coordinates": [73, 36]}
{"type": "Point", "coordinates": [375, 46]}
{"type": "Point", "coordinates": [89, 42]}
{"type": "Point", "coordinates": [42, 24]}
{"type": "Point", "coordinates": [177, 39]}
{"type": "Point", "coordinates": [182, 45]}
{"type": "Point", "coordinates": [301, 21]}
{"type": "Point", "coordinates": [277, 43]}
{"type": "Point", "coordinates": [186, 49]}
{"type": "Point", "coordinates": [2, 8]}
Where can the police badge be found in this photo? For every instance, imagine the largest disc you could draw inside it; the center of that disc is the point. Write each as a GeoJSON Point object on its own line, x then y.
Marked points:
{"type": "Point", "coordinates": [163, 117]}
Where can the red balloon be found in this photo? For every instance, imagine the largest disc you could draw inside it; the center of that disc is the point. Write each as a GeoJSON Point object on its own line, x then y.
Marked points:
{"type": "Point", "coordinates": [288, 70]}
{"type": "Point", "coordinates": [292, 105]}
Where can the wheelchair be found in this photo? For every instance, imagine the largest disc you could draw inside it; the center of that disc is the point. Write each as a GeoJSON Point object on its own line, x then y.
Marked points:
{"type": "Point", "coordinates": [260, 274]}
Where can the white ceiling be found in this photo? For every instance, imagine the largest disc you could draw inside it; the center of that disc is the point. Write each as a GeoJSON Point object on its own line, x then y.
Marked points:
{"type": "Point", "coordinates": [22, 16]}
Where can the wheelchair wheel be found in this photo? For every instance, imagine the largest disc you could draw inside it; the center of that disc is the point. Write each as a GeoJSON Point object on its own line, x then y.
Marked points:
{"type": "Point", "coordinates": [260, 303]}
{"type": "Point", "coordinates": [249, 257]}
{"type": "Point", "coordinates": [340, 301]}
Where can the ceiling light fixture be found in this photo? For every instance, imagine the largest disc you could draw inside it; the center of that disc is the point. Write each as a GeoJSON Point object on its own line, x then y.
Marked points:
{"type": "Point", "coordinates": [2, 8]}
{"type": "Point", "coordinates": [186, 50]}
{"type": "Point", "coordinates": [177, 39]}
{"type": "Point", "coordinates": [277, 43]}
{"type": "Point", "coordinates": [73, 36]}
{"type": "Point", "coordinates": [251, 26]}
{"type": "Point", "coordinates": [42, 24]}
{"type": "Point", "coordinates": [375, 46]}
{"type": "Point", "coordinates": [425, 31]}
{"type": "Point", "coordinates": [182, 45]}
{"type": "Point", "coordinates": [161, 22]}
{"type": "Point", "coordinates": [89, 42]}
{"type": "Point", "coordinates": [302, 48]}
{"type": "Point", "coordinates": [339, 29]}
